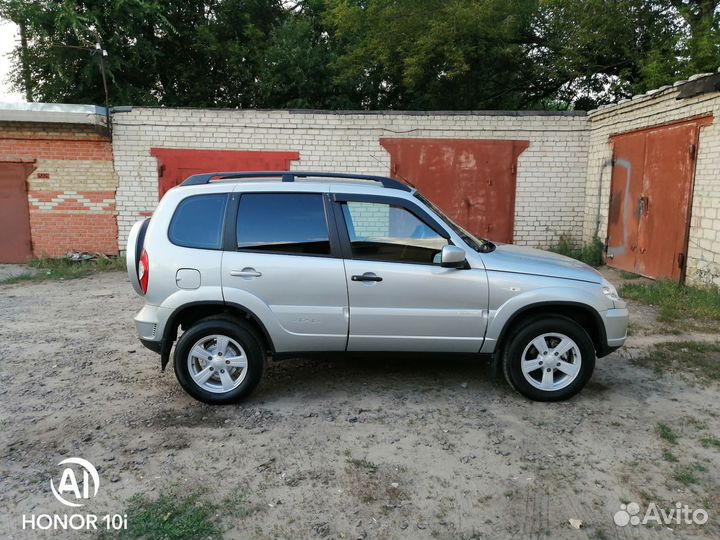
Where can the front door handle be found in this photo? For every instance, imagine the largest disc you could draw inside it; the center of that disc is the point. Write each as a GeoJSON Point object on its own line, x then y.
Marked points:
{"type": "Point", "coordinates": [246, 272]}
{"type": "Point", "coordinates": [367, 276]}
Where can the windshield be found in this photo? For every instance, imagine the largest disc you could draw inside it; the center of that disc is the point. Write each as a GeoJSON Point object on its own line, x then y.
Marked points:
{"type": "Point", "coordinates": [478, 244]}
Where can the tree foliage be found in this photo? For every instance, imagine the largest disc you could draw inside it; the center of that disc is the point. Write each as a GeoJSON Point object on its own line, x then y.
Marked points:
{"type": "Point", "coordinates": [361, 54]}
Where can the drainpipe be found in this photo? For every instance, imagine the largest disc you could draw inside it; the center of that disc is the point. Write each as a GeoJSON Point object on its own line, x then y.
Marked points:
{"type": "Point", "coordinates": [103, 53]}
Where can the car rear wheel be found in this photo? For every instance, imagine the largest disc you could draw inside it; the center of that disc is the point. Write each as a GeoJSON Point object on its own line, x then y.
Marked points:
{"type": "Point", "coordinates": [549, 358]}
{"type": "Point", "coordinates": [218, 361]}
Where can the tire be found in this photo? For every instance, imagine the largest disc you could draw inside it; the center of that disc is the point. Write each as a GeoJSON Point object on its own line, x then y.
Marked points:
{"type": "Point", "coordinates": [226, 354]}
{"type": "Point", "coordinates": [526, 368]}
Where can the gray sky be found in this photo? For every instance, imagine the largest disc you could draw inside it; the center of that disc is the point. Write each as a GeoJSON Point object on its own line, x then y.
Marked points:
{"type": "Point", "coordinates": [8, 38]}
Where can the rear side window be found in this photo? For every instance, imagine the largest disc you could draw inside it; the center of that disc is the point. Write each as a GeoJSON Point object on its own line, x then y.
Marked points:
{"type": "Point", "coordinates": [198, 222]}
{"type": "Point", "coordinates": [289, 223]}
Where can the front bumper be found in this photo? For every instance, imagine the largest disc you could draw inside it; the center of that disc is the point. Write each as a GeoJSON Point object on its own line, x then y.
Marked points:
{"type": "Point", "coordinates": [615, 322]}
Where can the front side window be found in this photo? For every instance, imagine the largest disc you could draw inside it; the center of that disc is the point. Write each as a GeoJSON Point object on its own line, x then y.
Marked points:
{"type": "Point", "coordinates": [384, 232]}
{"type": "Point", "coordinates": [198, 222]}
{"type": "Point", "coordinates": [289, 223]}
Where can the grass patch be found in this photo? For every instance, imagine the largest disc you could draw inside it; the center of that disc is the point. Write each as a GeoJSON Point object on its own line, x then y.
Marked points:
{"type": "Point", "coordinates": [372, 483]}
{"type": "Point", "coordinates": [710, 442]}
{"type": "Point", "coordinates": [47, 268]}
{"type": "Point", "coordinates": [685, 477]}
{"type": "Point", "coordinates": [240, 505]}
{"type": "Point", "coordinates": [591, 253]}
{"type": "Point", "coordinates": [363, 464]}
{"type": "Point", "coordinates": [687, 474]}
{"type": "Point", "coordinates": [676, 302]}
{"type": "Point", "coordinates": [666, 434]}
{"type": "Point", "coordinates": [692, 360]}
{"type": "Point", "coordinates": [629, 275]}
{"type": "Point", "coordinates": [172, 516]}
{"type": "Point", "coordinates": [669, 456]}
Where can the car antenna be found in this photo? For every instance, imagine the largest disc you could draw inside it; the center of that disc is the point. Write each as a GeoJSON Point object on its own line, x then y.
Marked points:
{"type": "Point", "coordinates": [400, 176]}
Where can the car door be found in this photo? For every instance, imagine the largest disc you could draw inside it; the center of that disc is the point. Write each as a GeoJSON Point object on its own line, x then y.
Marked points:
{"type": "Point", "coordinates": [282, 265]}
{"type": "Point", "coordinates": [400, 297]}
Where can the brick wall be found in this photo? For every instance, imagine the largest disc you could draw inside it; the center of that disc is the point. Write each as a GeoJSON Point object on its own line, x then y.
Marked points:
{"type": "Point", "coordinates": [550, 193]}
{"type": "Point", "coordinates": [652, 109]}
{"type": "Point", "coordinates": [370, 220]}
{"type": "Point", "coordinates": [71, 192]}
{"type": "Point", "coordinates": [563, 177]}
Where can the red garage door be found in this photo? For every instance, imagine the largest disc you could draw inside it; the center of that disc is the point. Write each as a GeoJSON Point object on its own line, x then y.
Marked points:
{"type": "Point", "coordinates": [472, 181]}
{"type": "Point", "coordinates": [175, 165]}
{"type": "Point", "coordinates": [15, 244]}
{"type": "Point", "coordinates": [650, 200]}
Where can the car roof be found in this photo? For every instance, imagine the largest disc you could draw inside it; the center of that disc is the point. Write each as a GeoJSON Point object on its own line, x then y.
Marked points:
{"type": "Point", "coordinates": [293, 182]}
{"type": "Point", "coordinates": [294, 176]}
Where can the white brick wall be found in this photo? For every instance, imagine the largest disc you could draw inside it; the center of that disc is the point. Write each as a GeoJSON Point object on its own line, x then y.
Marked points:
{"type": "Point", "coordinates": [563, 179]}
{"type": "Point", "coordinates": [370, 220]}
{"type": "Point", "coordinates": [550, 192]}
{"type": "Point", "coordinates": [661, 107]}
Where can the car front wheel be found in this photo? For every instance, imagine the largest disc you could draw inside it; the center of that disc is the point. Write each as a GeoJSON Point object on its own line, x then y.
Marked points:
{"type": "Point", "coordinates": [549, 358]}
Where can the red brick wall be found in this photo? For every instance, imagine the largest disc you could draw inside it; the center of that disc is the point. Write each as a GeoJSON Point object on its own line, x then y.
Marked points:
{"type": "Point", "coordinates": [71, 192]}
{"type": "Point", "coordinates": [56, 149]}
{"type": "Point", "coordinates": [54, 234]}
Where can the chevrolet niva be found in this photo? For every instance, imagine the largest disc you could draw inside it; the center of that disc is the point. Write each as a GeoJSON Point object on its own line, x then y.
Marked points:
{"type": "Point", "coordinates": [248, 265]}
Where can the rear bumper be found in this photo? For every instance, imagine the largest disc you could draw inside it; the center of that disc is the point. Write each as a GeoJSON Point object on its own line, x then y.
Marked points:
{"type": "Point", "coordinates": [615, 322]}
{"type": "Point", "coordinates": [154, 346]}
{"type": "Point", "coordinates": [150, 324]}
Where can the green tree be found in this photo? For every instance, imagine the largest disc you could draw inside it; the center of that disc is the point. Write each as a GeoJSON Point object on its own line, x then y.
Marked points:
{"type": "Point", "coordinates": [184, 52]}
{"type": "Point", "coordinates": [434, 54]}
{"type": "Point", "coordinates": [363, 54]}
{"type": "Point", "coordinates": [296, 67]}
{"type": "Point", "coordinates": [701, 43]}
{"type": "Point", "coordinates": [596, 51]}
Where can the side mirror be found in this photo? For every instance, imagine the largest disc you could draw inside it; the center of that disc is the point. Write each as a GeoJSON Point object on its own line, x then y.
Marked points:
{"type": "Point", "coordinates": [452, 257]}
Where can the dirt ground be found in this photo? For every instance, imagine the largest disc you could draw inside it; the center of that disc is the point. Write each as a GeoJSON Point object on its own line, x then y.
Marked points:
{"type": "Point", "coordinates": [12, 270]}
{"type": "Point", "coordinates": [345, 448]}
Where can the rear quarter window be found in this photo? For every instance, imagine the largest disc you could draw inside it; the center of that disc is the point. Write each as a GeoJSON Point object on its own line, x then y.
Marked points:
{"type": "Point", "coordinates": [283, 223]}
{"type": "Point", "coordinates": [198, 222]}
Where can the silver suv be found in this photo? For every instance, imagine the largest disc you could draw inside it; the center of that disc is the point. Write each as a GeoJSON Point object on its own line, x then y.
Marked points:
{"type": "Point", "coordinates": [248, 265]}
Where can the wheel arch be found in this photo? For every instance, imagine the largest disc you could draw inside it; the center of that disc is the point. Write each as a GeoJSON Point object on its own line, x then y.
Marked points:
{"type": "Point", "coordinates": [585, 315]}
{"type": "Point", "coordinates": [188, 314]}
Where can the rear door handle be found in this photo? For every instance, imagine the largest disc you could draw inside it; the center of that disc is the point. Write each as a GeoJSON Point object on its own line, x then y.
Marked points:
{"type": "Point", "coordinates": [246, 273]}
{"type": "Point", "coordinates": [367, 276]}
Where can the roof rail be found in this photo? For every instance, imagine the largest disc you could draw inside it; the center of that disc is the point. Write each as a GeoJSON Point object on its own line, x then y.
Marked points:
{"type": "Point", "coordinates": [290, 176]}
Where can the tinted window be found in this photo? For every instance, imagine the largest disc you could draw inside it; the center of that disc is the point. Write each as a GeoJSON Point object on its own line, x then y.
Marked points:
{"type": "Point", "coordinates": [198, 222]}
{"type": "Point", "coordinates": [383, 232]}
{"type": "Point", "coordinates": [283, 223]}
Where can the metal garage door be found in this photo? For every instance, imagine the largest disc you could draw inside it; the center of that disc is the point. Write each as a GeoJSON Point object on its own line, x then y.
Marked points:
{"type": "Point", "coordinates": [175, 165]}
{"type": "Point", "coordinates": [15, 244]}
{"type": "Point", "coordinates": [473, 181]}
{"type": "Point", "coordinates": [650, 200]}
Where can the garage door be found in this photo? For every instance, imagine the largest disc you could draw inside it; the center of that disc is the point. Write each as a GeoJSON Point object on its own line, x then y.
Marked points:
{"type": "Point", "coordinates": [175, 165]}
{"type": "Point", "coordinates": [651, 197]}
{"type": "Point", "coordinates": [15, 245]}
{"type": "Point", "coordinates": [472, 181]}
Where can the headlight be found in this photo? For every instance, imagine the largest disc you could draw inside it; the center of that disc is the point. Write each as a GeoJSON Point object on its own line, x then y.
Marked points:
{"type": "Point", "coordinates": [609, 290]}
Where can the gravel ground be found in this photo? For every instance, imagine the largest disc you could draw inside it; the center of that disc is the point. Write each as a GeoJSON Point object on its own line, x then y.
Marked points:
{"type": "Point", "coordinates": [375, 447]}
{"type": "Point", "coordinates": [8, 271]}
